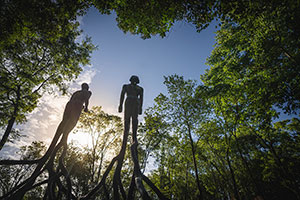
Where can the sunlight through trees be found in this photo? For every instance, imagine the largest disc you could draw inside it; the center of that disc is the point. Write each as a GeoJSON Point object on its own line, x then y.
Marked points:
{"type": "Point", "coordinates": [222, 137]}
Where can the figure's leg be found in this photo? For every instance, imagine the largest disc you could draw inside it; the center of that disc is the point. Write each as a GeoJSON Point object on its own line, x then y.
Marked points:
{"type": "Point", "coordinates": [65, 127]}
{"type": "Point", "coordinates": [127, 124]}
{"type": "Point", "coordinates": [66, 117]}
{"type": "Point", "coordinates": [134, 128]}
{"type": "Point", "coordinates": [69, 127]}
{"type": "Point", "coordinates": [127, 117]}
{"type": "Point", "coordinates": [30, 181]}
{"type": "Point", "coordinates": [61, 127]}
{"type": "Point", "coordinates": [134, 116]}
{"type": "Point", "coordinates": [72, 116]}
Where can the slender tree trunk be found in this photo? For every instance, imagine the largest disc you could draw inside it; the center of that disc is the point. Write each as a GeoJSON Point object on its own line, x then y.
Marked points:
{"type": "Point", "coordinates": [100, 168]}
{"type": "Point", "coordinates": [195, 163]}
{"type": "Point", "coordinates": [258, 188]}
{"type": "Point", "coordinates": [7, 131]}
{"type": "Point", "coordinates": [12, 120]}
{"type": "Point", "coordinates": [186, 181]}
{"type": "Point", "coordinates": [235, 188]}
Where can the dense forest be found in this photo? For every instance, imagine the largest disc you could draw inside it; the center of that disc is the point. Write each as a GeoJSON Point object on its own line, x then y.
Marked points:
{"type": "Point", "coordinates": [233, 134]}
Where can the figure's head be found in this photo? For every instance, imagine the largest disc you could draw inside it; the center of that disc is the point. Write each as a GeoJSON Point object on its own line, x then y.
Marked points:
{"type": "Point", "coordinates": [134, 79]}
{"type": "Point", "coordinates": [84, 86]}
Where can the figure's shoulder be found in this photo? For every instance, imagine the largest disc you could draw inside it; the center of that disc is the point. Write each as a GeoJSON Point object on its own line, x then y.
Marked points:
{"type": "Point", "coordinates": [86, 93]}
{"type": "Point", "coordinates": [76, 92]}
{"type": "Point", "coordinates": [140, 89]}
{"type": "Point", "coordinates": [125, 86]}
{"type": "Point", "coordinates": [90, 93]}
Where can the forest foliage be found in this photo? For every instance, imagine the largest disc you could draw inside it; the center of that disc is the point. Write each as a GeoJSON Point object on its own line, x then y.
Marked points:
{"type": "Point", "coordinates": [234, 134]}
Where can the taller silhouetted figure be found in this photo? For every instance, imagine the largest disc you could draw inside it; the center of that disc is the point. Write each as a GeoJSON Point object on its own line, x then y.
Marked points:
{"type": "Point", "coordinates": [133, 104]}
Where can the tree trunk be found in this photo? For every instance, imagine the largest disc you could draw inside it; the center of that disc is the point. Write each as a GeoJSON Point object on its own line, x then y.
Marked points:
{"type": "Point", "coordinates": [7, 131]}
{"type": "Point", "coordinates": [258, 187]}
{"type": "Point", "coordinates": [195, 163]}
{"type": "Point", "coordinates": [235, 188]}
{"type": "Point", "coordinates": [11, 121]}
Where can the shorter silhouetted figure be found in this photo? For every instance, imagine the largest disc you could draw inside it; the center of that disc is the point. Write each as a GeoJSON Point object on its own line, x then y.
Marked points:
{"type": "Point", "coordinates": [133, 104]}
{"type": "Point", "coordinates": [78, 101]}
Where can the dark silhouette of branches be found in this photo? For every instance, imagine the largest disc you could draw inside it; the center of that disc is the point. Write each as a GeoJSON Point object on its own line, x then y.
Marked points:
{"type": "Point", "coordinates": [55, 187]}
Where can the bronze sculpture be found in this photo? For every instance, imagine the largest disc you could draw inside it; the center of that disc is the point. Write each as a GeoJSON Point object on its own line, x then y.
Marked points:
{"type": "Point", "coordinates": [133, 104]}
{"type": "Point", "coordinates": [78, 101]}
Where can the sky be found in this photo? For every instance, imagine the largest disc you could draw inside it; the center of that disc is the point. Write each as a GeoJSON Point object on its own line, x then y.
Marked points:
{"type": "Point", "coordinates": [183, 52]}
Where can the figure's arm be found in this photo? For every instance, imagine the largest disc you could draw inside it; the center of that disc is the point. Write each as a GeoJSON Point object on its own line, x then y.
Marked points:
{"type": "Point", "coordinates": [86, 103]}
{"type": "Point", "coordinates": [141, 101]}
{"type": "Point", "coordinates": [122, 98]}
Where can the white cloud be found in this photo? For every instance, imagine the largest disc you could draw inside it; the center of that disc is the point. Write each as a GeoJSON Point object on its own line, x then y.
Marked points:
{"type": "Point", "coordinates": [85, 77]}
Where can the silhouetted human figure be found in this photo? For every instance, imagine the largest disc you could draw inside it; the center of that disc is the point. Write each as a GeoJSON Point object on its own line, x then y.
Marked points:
{"type": "Point", "coordinates": [133, 107]}
{"type": "Point", "coordinates": [133, 104]}
{"type": "Point", "coordinates": [78, 101]}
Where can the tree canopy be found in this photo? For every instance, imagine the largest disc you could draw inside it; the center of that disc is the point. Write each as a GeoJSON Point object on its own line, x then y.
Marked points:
{"type": "Point", "coordinates": [39, 48]}
{"type": "Point", "coordinates": [223, 138]}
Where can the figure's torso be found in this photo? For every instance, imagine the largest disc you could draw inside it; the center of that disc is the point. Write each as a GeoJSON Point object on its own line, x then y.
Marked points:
{"type": "Point", "coordinates": [80, 96]}
{"type": "Point", "coordinates": [133, 91]}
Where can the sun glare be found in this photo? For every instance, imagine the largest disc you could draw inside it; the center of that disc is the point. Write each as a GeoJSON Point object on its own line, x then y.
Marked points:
{"type": "Point", "coordinates": [80, 138]}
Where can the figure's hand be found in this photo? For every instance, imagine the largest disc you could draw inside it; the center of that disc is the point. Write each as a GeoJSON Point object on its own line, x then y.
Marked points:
{"type": "Point", "coordinates": [86, 109]}
{"type": "Point", "coordinates": [140, 111]}
{"type": "Point", "coordinates": [120, 109]}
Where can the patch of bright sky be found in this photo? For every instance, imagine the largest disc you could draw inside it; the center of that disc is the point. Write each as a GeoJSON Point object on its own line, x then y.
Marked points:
{"type": "Point", "coordinates": [119, 55]}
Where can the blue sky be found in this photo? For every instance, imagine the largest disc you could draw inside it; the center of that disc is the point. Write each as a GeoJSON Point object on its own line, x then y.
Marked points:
{"type": "Point", "coordinates": [183, 51]}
